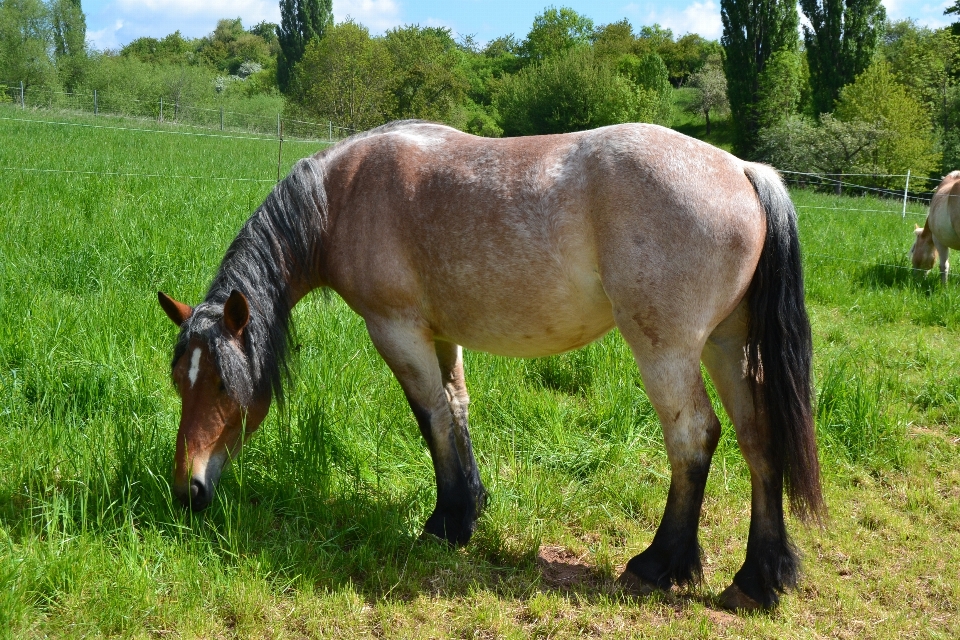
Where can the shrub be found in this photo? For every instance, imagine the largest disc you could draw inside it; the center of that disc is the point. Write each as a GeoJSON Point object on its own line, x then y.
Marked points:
{"type": "Point", "coordinates": [571, 92]}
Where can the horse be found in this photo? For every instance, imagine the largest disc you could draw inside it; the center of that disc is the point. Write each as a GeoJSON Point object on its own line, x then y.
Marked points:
{"type": "Point", "coordinates": [528, 247]}
{"type": "Point", "coordinates": [941, 229]}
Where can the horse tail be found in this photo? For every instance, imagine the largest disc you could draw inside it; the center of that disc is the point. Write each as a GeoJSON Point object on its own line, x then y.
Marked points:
{"type": "Point", "coordinates": [780, 348]}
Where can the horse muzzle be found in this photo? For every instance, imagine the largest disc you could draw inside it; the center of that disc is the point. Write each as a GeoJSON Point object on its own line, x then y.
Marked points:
{"type": "Point", "coordinates": [197, 497]}
{"type": "Point", "coordinates": [197, 489]}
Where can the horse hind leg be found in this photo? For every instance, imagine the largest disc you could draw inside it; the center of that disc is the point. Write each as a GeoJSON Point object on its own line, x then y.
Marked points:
{"type": "Point", "coordinates": [431, 375]}
{"type": "Point", "coordinates": [771, 565]}
{"type": "Point", "coordinates": [674, 384]}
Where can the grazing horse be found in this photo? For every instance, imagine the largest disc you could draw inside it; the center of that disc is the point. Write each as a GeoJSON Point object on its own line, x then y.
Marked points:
{"type": "Point", "coordinates": [941, 230]}
{"type": "Point", "coordinates": [529, 247]}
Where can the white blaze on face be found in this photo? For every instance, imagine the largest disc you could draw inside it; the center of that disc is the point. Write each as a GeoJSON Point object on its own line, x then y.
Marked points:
{"type": "Point", "coordinates": [194, 366]}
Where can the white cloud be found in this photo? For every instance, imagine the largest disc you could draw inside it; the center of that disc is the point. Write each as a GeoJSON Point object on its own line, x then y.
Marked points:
{"type": "Point", "coordinates": [106, 38]}
{"type": "Point", "coordinates": [697, 17]}
{"type": "Point", "coordinates": [376, 15]}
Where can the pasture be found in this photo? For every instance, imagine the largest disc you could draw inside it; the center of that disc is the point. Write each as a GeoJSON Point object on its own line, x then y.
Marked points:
{"type": "Point", "coordinates": [314, 529]}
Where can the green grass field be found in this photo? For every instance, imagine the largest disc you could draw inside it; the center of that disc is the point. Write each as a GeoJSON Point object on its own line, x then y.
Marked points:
{"type": "Point", "coordinates": [314, 531]}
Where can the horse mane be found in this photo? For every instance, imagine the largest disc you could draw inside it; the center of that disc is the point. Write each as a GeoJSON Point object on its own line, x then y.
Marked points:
{"type": "Point", "coordinates": [277, 246]}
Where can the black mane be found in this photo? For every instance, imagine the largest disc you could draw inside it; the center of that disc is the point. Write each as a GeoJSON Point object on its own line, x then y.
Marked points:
{"type": "Point", "coordinates": [278, 245]}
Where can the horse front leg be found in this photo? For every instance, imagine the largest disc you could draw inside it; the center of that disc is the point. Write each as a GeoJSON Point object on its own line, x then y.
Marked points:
{"type": "Point", "coordinates": [944, 253]}
{"type": "Point", "coordinates": [691, 431]}
{"type": "Point", "coordinates": [431, 377]}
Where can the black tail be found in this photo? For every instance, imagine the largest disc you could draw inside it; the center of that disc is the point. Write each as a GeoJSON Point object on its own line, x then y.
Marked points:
{"type": "Point", "coordinates": [780, 348]}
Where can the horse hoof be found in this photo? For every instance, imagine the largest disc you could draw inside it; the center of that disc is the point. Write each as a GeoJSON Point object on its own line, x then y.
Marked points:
{"type": "Point", "coordinates": [733, 599]}
{"type": "Point", "coordinates": [455, 531]}
{"type": "Point", "coordinates": [634, 585]}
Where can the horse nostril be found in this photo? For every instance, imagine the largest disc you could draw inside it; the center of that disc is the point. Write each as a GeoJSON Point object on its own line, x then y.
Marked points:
{"type": "Point", "coordinates": [198, 494]}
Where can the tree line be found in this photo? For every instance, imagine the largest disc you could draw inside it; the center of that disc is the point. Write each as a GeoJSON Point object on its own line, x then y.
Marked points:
{"type": "Point", "coordinates": [849, 91]}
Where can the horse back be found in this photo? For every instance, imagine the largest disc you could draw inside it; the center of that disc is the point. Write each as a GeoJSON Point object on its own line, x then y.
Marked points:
{"type": "Point", "coordinates": [513, 245]}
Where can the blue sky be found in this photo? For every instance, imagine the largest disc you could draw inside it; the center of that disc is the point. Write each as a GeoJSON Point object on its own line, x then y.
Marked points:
{"type": "Point", "coordinates": [113, 23]}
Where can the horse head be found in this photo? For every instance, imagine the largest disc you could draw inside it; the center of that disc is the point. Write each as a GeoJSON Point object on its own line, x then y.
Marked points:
{"type": "Point", "coordinates": [923, 253]}
{"type": "Point", "coordinates": [213, 376]}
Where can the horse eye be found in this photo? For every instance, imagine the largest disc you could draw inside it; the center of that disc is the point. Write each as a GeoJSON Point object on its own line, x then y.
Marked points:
{"type": "Point", "coordinates": [223, 387]}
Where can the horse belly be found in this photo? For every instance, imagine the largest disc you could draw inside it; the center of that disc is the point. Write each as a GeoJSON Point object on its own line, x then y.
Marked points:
{"type": "Point", "coordinates": [540, 319]}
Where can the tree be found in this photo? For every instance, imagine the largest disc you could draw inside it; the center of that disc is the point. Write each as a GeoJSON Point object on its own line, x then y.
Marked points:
{"type": "Point", "coordinates": [429, 80]}
{"type": "Point", "coordinates": [26, 40]}
{"type": "Point", "coordinates": [300, 22]}
{"type": "Point", "coordinates": [650, 73]}
{"type": "Point", "coordinates": [613, 41]}
{"type": "Point", "coordinates": [69, 41]}
{"type": "Point", "coordinates": [954, 9]}
{"type": "Point", "coordinates": [556, 31]}
{"type": "Point", "coordinates": [346, 77]}
{"type": "Point", "coordinates": [927, 62]}
{"type": "Point", "coordinates": [840, 42]}
{"type": "Point", "coordinates": [570, 92]}
{"type": "Point", "coordinates": [711, 86]}
{"type": "Point", "coordinates": [828, 146]}
{"type": "Point", "coordinates": [780, 84]}
{"type": "Point", "coordinates": [752, 31]}
{"type": "Point", "coordinates": [876, 98]}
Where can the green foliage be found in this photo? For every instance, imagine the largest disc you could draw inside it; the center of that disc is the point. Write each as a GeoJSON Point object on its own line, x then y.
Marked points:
{"type": "Point", "coordinates": [571, 92]}
{"type": "Point", "coordinates": [26, 37]}
{"type": "Point", "coordinates": [300, 22]}
{"type": "Point", "coordinates": [556, 31]}
{"type": "Point", "coordinates": [347, 77]}
{"type": "Point", "coordinates": [828, 146]}
{"type": "Point", "coordinates": [171, 49]}
{"type": "Point", "coordinates": [429, 79]}
{"type": "Point", "coordinates": [613, 41]}
{"type": "Point", "coordinates": [878, 99]}
{"type": "Point", "coordinates": [229, 46]}
{"type": "Point", "coordinates": [753, 30]}
{"type": "Point", "coordinates": [927, 62]}
{"type": "Point", "coordinates": [69, 41]}
{"type": "Point", "coordinates": [780, 86]}
{"type": "Point", "coordinates": [840, 43]}
{"type": "Point", "coordinates": [954, 9]}
{"type": "Point", "coordinates": [650, 73]}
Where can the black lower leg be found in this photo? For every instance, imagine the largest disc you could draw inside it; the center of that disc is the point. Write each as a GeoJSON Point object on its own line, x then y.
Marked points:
{"type": "Point", "coordinates": [460, 493]}
{"type": "Point", "coordinates": [771, 566]}
{"type": "Point", "coordinates": [674, 555]}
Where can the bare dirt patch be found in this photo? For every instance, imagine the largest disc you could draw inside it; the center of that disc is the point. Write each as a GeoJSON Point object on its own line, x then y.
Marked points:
{"type": "Point", "coordinates": [564, 569]}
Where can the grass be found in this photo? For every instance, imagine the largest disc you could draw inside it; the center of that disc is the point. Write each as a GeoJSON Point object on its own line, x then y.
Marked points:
{"type": "Point", "coordinates": [314, 531]}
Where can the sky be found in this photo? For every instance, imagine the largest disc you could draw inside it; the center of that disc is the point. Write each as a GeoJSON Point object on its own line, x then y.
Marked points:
{"type": "Point", "coordinates": [114, 23]}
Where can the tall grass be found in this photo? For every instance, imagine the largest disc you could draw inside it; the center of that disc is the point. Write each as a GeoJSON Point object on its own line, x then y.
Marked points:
{"type": "Point", "coordinates": [322, 512]}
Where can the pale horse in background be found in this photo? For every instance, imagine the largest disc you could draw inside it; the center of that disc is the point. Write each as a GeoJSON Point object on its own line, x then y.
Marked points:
{"type": "Point", "coordinates": [941, 231]}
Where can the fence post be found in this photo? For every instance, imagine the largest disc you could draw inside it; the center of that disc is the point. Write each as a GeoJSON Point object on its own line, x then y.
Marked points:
{"type": "Point", "coordinates": [279, 130]}
{"type": "Point", "coordinates": [22, 104]}
{"type": "Point", "coordinates": [221, 117]}
{"type": "Point", "coordinates": [330, 131]}
{"type": "Point", "coordinates": [280, 153]}
{"type": "Point", "coordinates": [96, 106]}
{"type": "Point", "coordinates": [905, 189]}
{"type": "Point", "coordinates": [161, 109]}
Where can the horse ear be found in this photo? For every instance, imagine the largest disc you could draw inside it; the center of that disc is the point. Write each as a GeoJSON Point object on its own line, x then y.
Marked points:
{"type": "Point", "coordinates": [176, 311]}
{"type": "Point", "coordinates": [236, 313]}
{"type": "Point", "coordinates": [918, 231]}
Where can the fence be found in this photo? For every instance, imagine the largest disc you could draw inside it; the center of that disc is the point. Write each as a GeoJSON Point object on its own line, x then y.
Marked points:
{"type": "Point", "coordinates": [171, 110]}
{"type": "Point", "coordinates": [899, 199]}
{"type": "Point", "coordinates": [833, 182]}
